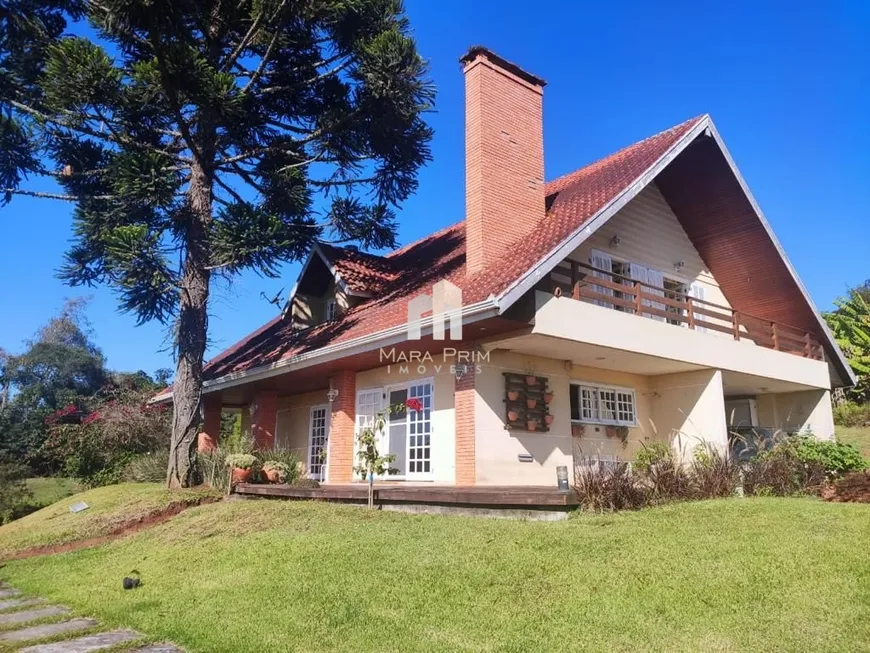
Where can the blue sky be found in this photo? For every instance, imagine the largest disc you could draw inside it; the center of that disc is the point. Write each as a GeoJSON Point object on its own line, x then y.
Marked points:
{"type": "Point", "coordinates": [787, 84]}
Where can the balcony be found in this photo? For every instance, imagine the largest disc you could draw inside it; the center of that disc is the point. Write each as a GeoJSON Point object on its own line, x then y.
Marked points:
{"type": "Point", "coordinates": [621, 293]}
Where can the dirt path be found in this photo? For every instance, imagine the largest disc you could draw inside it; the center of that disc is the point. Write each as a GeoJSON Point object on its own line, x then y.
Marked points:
{"type": "Point", "coordinates": [122, 530]}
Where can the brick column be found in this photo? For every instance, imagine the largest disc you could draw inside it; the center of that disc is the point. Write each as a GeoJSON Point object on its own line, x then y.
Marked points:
{"type": "Point", "coordinates": [340, 460]}
{"type": "Point", "coordinates": [463, 398]}
{"type": "Point", "coordinates": [211, 423]}
{"type": "Point", "coordinates": [263, 419]}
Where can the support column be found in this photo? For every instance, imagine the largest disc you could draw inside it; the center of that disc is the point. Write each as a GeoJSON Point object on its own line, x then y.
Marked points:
{"type": "Point", "coordinates": [263, 419]}
{"type": "Point", "coordinates": [689, 409]}
{"type": "Point", "coordinates": [340, 462]}
{"type": "Point", "coordinates": [464, 395]}
{"type": "Point", "coordinates": [209, 438]}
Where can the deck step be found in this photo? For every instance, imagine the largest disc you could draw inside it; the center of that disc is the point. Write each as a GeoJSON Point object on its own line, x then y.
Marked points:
{"type": "Point", "coordinates": [86, 644]}
{"type": "Point", "coordinates": [46, 630]}
{"type": "Point", "coordinates": [9, 604]}
{"type": "Point", "coordinates": [25, 616]}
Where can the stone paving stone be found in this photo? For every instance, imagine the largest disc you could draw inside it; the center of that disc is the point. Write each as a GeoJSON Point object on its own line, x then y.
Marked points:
{"type": "Point", "coordinates": [85, 644]}
{"type": "Point", "coordinates": [9, 593]}
{"type": "Point", "coordinates": [158, 648]}
{"type": "Point", "coordinates": [8, 604]}
{"type": "Point", "coordinates": [46, 630]}
{"type": "Point", "coordinates": [24, 616]}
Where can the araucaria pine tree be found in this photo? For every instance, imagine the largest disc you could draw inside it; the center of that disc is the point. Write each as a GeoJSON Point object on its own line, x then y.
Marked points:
{"type": "Point", "coordinates": [199, 138]}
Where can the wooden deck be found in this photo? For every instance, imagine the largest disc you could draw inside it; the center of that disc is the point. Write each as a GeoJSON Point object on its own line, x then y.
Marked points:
{"type": "Point", "coordinates": [529, 497]}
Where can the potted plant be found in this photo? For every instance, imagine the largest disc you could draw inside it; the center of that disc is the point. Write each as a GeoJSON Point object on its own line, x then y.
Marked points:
{"type": "Point", "coordinates": [275, 472]}
{"type": "Point", "coordinates": [531, 379]}
{"type": "Point", "coordinates": [531, 403]}
{"type": "Point", "coordinates": [548, 397]}
{"type": "Point", "coordinates": [513, 415]}
{"type": "Point", "coordinates": [578, 430]}
{"type": "Point", "coordinates": [548, 419]}
{"type": "Point", "coordinates": [620, 432]}
{"type": "Point", "coordinates": [532, 425]}
{"type": "Point", "coordinates": [513, 395]}
{"type": "Point", "coordinates": [243, 465]}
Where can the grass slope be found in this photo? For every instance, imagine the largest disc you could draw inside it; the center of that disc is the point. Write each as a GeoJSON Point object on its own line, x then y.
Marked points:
{"type": "Point", "coordinates": [857, 435]}
{"type": "Point", "coordinates": [728, 575]}
{"type": "Point", "coordinates": [110, 508]}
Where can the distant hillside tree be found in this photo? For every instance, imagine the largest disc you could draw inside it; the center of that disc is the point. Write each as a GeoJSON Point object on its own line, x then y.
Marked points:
{"type": "Point", "coordinates": [198, 139]}
{"type": "Point", "coordinates": [850, 323]}
{"type": "Point", "coordinates": [59, 367]}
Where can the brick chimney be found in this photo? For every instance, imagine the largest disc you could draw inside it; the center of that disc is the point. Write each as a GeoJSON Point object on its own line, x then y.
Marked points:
{"type": "Point", "coordinates": [504, 155]}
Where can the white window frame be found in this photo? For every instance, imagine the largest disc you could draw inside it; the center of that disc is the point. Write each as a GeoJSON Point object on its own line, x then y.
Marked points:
{"type": "Point", "coordinates": [383, 441]}
{"type": "Point", "coordinates": [310, 452]}
{"type": "Point", "coordinates": [597, 388]}
{"type": "Point", "coordinates": [330, 311]}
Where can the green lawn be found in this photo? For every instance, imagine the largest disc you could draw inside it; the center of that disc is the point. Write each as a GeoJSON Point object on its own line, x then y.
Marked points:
{"type": "Point", "coordinates": [47, 491]}
{"type": "Point", "coordinates": [727, 575]}
{"type": "Point", "coordinates": [110, 507]}
{"type": "Point", "coordinates": [857, 435]}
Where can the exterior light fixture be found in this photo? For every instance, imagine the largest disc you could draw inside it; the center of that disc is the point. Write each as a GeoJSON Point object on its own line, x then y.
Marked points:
{"type": "Point", "coordinates": [562, 478]}
{"type": "Point", "coordinates": [460, 370]}
{"type": "Point", "coordinates": [332, 395]}
{"type": "Point", "coordinates": [614, 242]}
{"type": "Point", "coordinates": [679, 265]}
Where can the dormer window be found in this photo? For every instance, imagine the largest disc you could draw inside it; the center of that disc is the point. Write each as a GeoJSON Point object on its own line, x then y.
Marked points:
{"type": "Point", "coordinates": [331, 310]}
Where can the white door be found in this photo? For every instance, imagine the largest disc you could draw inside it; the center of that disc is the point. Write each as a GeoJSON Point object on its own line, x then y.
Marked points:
{"type": "Point", "coordinates": [368, 404]}
{"type": "Point", "coordinates": [419, 425]}
{"type": "Point", "coordinates": [317, 441]}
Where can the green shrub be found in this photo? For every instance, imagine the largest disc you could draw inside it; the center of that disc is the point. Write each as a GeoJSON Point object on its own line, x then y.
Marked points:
{"type": "Point", "coordinates": [14, 495]}
{"type": "Point", "coordinates": [849, 413]}
{"type": "Point", "coordinates": [306, 482]}
{"type": "Point", "coordinates": [662, 476]}
{"type": "Point", "coordinates": [782, 472]}
{"type": "Point", "coordinates": [279, 469]}
{"type": "Point", "coordinates": [286, 457]}
{"type": "Point", "coordinates": [837, 458]}
{"type": "Point", "coordinates": [147, 468]}
{"type": "Point", "coordinates": [242, 461]}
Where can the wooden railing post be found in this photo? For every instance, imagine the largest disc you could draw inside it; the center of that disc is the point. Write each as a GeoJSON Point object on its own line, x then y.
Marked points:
{"type": "Point", "coordinates": [575, 280]}
{"type": "Point", "coordinates": [637, 301]}
{"type": "Point", "coordinates": [808, 347]}
{"type": "Point", "coordinates": [775, 338]}
{"type": "Point", "coordinates": [735, 324]}
{"type": "Point", "coordinates": [690, 312]}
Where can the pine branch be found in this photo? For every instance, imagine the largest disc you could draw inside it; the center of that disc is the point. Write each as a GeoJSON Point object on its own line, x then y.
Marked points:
{"type": "Point", "coordinates": [56, 196]}
{"type": "Point", "coordinates": [266, 56]}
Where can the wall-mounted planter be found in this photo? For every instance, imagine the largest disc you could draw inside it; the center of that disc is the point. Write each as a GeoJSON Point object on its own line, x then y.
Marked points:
{"type": "Point", "coordinates": [578, 430]}
{"type": "Point", "coordinates": [526, 401]}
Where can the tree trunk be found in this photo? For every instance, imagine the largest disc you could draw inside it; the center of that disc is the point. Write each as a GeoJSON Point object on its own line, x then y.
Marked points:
{"type": "Point", "coordinates": [191, 335]}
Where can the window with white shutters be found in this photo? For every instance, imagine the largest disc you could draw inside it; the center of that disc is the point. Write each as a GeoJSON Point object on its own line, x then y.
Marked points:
{"type": "Point", "coordinates": [596, 404]}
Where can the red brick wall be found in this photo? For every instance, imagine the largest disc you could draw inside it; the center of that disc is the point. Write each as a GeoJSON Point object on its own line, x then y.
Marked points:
{"type": "Point", "coordinates": [464, 394]}
{"type": "Point", "coordinates": [264, 418]}
{"type": "Point", "coordinates": [211, 423]}
{"type": "Point", "coordinates": [341, 429]}
{"type": "Point", "coordinates": [504, 159]}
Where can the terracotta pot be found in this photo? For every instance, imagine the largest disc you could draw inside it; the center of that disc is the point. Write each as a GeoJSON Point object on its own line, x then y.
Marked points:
{"type": "Point", "coordinates": [577, 430]}
{"type": "Point", "coordinates": [531, 403]}
{"type": "Point", "coordinates": [548, 419]}
{"type": "Point", "coordinates": [531, 380]}
{"type": "Point", "coordinates": [532, 425]}
{"type": "Point", "coordinates": [513, 415]}
{"type": "Point", "coordinates": [242, 475]}
{"type": "Point", "coordinates": [513, 395]}
{"type": "Point", "coordinates": [548, 397]}
{"type": "Point", "coordinates": [272, 475]}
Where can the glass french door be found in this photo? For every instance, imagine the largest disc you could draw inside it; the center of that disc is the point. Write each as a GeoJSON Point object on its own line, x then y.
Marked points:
{"type": "Point", "coordinates": [419, 425]}
{"type": "Point", "coordinates": [318, 438]}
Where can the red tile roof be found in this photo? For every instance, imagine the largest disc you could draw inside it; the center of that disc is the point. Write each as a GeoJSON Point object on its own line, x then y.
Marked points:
{"type": "Point", "coordinates": [395, 278]}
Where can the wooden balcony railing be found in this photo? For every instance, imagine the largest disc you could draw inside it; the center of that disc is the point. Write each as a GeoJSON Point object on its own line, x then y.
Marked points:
{"type": "Point", "coordinates": [629, 295]}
